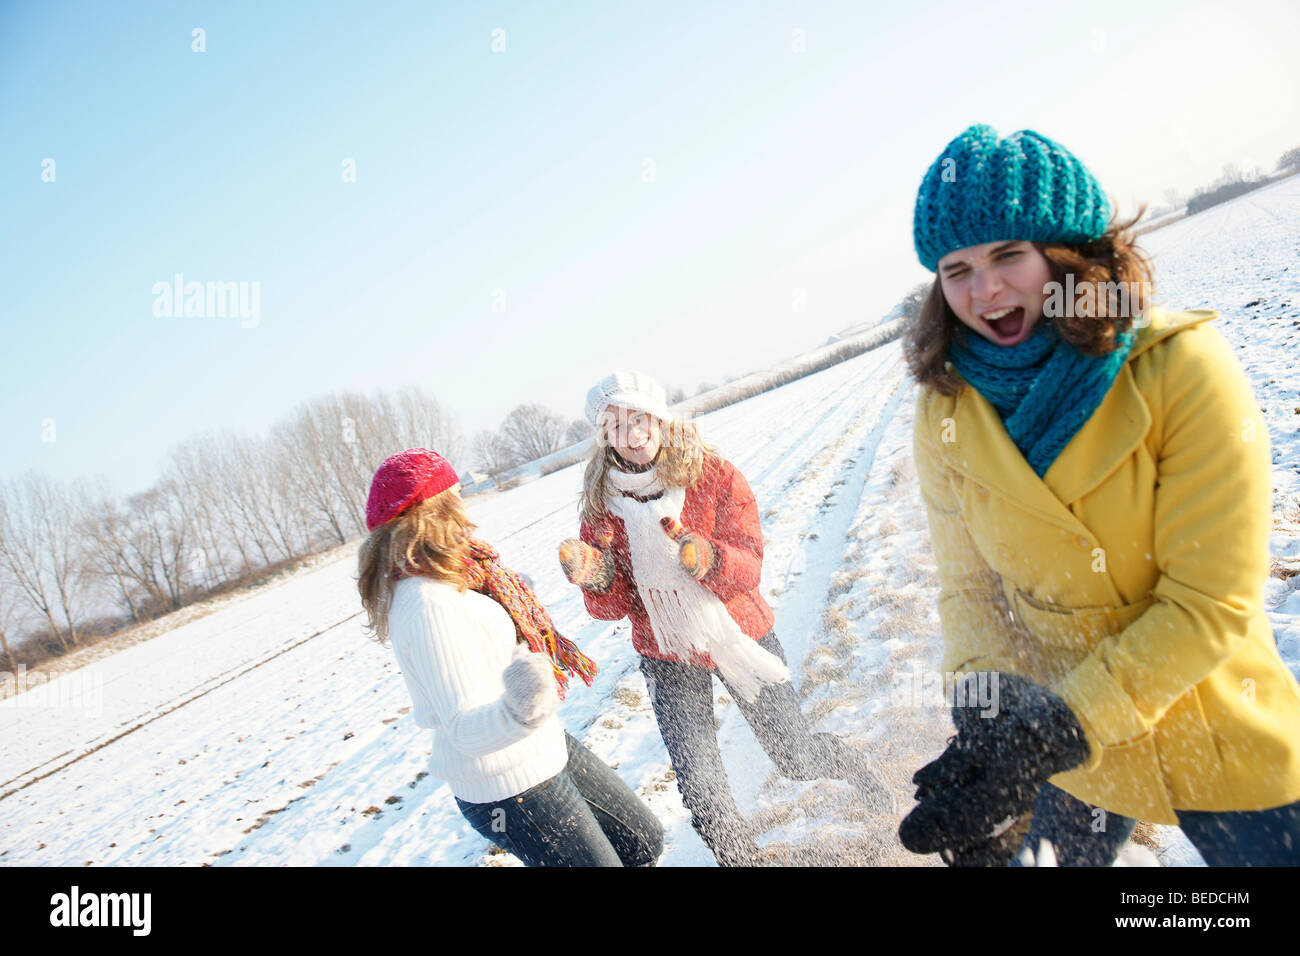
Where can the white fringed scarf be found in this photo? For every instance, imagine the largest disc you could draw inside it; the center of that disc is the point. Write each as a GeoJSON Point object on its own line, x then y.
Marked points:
{"type": "Point", "coordinates": [684, 614]}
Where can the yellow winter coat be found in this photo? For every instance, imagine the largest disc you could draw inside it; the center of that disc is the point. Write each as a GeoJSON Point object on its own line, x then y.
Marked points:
{"type": "Point", "coordinates": [1129, 578]}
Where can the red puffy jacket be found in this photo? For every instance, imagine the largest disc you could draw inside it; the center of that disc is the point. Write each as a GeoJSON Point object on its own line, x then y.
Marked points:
{"type": "Point", "coordinates": [719, 507]}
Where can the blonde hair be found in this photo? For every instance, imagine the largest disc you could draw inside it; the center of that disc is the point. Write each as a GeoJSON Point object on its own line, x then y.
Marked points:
{"type": "Point", "coordinates": [429, 539]}
{"type": "Point", "coordinates": [679, 464]}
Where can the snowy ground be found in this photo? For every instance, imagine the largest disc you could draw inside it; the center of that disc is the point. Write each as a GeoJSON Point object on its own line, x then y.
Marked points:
{"type": "Point", "coordinates": [272, 732]}
{"type": "Point", "coordinates": [1243, 259]}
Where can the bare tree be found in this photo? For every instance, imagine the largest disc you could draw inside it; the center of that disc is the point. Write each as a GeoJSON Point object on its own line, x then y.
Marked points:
{"type": "Point", "coordinates": [533, 431]}
{"type": "Point", "coordinates": [492, 453]}
{"type": "Point", "coordinates": [307, 444]}
{"type": "Point", "coordinates": [193, 561]}
{"type": "Point", "coordinates": [580, 429]}
{"type": "Point", "coordinates": [1231, 174]}
{"type": "Point", "coordinates": [357, 432]}
{"type": "Point", "coordinates": [421, 423]}
{"type": "Point", "coordinates": [36, 537]}
{"type": "Point", "coordinates": [239, 459]}
{"type": "Point", "coordinates": [152, 546]}
{"type": "Point", "coordinates": [189, 473]}
{"type": "Point", "coordinates": [10, 601]}
{"type": "Point", "coordinates": [912, 302]}
{"type": "Point", "coordinates": [105, 522]}
{"type": "Point", "coordinates": [278, 476]}
{"type": "Point", "coordinates": [344, 430]}
{"type": "Point", "coordinates": [1290, 159]}
{"type": "Point", "coordinates": [203, 467]}
{"type": "Point", "coordinates": [56, 510]}
{"type": "Point", "coordinates": [265, 498]}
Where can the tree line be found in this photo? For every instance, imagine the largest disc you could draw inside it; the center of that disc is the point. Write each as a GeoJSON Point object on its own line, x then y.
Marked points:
{"type": "Point", "coordinates": [1231, 183]}
{"type": "Point", "coordinates": [78, 560]}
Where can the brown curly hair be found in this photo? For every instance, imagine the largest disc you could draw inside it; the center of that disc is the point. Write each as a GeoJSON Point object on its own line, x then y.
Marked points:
{"type": "Point", "coordinates": [1092, 325]}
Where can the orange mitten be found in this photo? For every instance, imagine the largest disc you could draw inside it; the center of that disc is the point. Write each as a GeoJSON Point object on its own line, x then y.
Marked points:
{"type": "Point", "coordinates": [696, 554]}
{"type": "Point", "coordinates": [588, 567]}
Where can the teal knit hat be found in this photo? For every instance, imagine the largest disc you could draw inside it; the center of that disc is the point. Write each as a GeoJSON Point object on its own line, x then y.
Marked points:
{"type": "Point", "coordinates": [1026, 186]}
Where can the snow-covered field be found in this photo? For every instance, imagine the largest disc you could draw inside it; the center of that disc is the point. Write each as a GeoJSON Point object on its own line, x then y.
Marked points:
{"type": "Point", "coordinates": [271, 731]}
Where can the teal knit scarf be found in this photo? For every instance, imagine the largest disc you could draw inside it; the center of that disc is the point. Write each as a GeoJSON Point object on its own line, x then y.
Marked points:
{"type": "Point", "coordinates": [1044, 388]}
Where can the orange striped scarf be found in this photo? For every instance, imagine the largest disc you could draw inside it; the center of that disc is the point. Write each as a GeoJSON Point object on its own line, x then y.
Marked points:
{"type": "Point", "coordinates": [485, 574]}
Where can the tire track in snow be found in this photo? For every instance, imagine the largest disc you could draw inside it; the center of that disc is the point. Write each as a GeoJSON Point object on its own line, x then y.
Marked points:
{"type": "Point", "coordinates": [148, 718]}
{"type": "Point", "coordinates": [879, 623]}
{"type": "Point", "coordinates": [787, 451]}
{"type": "Point", "coordinates": [803, 599]}
{"type": "Point", "coordinates": [824, 556]}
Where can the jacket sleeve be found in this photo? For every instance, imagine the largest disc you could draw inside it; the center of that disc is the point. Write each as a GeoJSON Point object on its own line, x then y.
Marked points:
{"type": "Point", "coordinates": [616, 602]}
{"type": "Point", "coordinates": [737, 538]}
{"type": "Point", "coordinates": [1212, 523]}
{"type": "Point", "coordinates": [976, 623]}
{"type": "Point", "coordinates": [443, 663]}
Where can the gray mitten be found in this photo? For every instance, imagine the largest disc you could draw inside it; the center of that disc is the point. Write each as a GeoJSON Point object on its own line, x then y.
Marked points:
{"type": "Point", "coordinates": [531, 694]}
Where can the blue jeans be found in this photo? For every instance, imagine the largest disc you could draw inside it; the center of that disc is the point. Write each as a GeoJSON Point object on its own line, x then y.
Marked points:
{"type": "Point", "coordinates": [583, 816]}
{"type": "Point", "coordinates": [682, 698]}
{"type": "Point", "coordinates": [1082, 835]}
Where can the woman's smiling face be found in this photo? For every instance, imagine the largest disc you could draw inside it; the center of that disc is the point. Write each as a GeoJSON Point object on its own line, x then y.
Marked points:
{"type": "Point", "coordinates": [634, 434]}
{"type": "Point", "coordinates": [997, 288]}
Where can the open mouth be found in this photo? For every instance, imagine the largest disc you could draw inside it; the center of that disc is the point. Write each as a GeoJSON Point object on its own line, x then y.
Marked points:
{"type": "Point", "coordinates": [1007, 323]}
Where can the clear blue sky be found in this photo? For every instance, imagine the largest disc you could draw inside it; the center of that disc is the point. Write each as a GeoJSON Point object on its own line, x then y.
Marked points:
{"type": "Point", "coordinates": [777, 174]}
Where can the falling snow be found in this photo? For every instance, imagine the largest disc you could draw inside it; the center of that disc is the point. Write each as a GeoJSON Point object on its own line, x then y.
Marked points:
{"type": "Point", "coordinates": [271, 731]}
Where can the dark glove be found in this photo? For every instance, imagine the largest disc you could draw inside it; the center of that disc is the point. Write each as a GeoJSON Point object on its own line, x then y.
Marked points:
{"type": "Point", "coordinates": [973, 798]}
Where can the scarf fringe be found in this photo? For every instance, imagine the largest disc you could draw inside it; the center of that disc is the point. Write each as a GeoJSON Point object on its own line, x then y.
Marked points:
{"type": "Point", "coordinates": [744, 665]}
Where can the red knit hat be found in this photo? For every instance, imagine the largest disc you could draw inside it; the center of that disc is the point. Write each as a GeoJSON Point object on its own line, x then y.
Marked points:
{"type": "Point", "coordinates": [404, 479]}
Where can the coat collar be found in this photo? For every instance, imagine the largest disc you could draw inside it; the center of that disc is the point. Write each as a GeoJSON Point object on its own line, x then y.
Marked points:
{"type": "Point", "coordinates": [1163, 324]}
{"type": "Point", "coordinates": [1115, 429]}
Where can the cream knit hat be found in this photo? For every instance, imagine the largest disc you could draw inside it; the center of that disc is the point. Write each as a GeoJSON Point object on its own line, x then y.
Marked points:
{"type": "Point", "coordinates": [634, 390]}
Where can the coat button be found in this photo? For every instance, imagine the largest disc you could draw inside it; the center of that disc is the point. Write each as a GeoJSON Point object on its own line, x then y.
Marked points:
{"type": "Point", "coordinates": [1083, 543]}
{"type": "Point", "coordinates": [1005, 552]}
{"type": "Point", "coordinates": [519, 799]}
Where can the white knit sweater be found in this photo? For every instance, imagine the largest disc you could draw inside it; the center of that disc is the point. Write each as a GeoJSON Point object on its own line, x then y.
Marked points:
{"type": "Point", "coordinates": [453, 648]}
